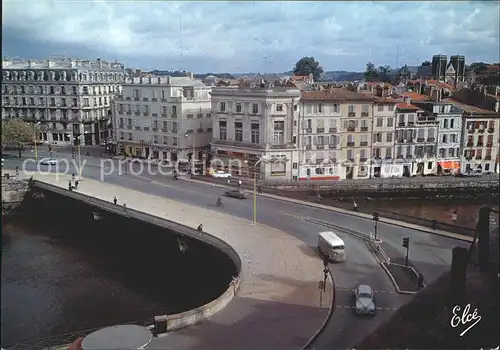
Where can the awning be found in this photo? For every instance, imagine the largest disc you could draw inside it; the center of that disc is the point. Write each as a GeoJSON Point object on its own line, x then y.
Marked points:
{"type": "Point", "coordinates": [449, 165]}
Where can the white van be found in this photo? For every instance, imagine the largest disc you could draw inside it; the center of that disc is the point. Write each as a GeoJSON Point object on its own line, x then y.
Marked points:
{"type": "Point", "coordinates": [331, 245]}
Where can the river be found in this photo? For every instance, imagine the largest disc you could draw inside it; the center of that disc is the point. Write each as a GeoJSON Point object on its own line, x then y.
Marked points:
{"type": "Point", "coordinates": [63, 272]}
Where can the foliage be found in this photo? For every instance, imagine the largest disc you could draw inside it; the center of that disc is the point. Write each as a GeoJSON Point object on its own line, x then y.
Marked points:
{"type": "Point", "coordinates": [478, 67]}
{"type": "Point", "coordinates": [426, 64]}
{"type": "Point", "coordinates": [371, 73]}
{"type": "Point", "coordinates": [16, 132]}
{"type": "Point", "coordinates": [308, 65]}
{"type": "Point", "coordinates": [383, 73]}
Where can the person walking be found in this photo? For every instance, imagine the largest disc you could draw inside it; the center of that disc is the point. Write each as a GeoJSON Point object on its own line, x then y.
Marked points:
{"type": "Point", "coordinates": [115, 200]}
{"type": "Point", "coordinates": [17, 170]}
{"type": "Point", "coordinates": [70, 186]}
{"type": "Point", "coordinates": [228, 182]}
{"type": "Point", "coordinates": [454, 216]}
{"type": "Point", "coordinates": [354, 204]}
{"type": "Point", "coordinates": [76, 184]}
{"type": "Point", "coordinates": [200, 228]}
{"type": "Point", "coordinates": [73, 177]}
{"type": "Point", "coordinates": [239, 183]}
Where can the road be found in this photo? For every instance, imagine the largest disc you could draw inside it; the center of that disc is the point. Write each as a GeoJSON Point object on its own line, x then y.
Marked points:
{"type": "Point", "coordinates": [430, 254]}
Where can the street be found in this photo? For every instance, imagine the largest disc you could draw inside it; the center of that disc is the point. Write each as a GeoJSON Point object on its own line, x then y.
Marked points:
{"type": "Point", "coordinates": [430, 254]}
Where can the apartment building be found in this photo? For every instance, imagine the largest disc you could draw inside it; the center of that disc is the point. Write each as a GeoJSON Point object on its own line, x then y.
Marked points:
{"type": "Point", "coordinates": [356, 140]}
{"type": "Point", "coordinates": [165, 118]}
{"type": "Point", "coordinates": [449, 135]}
{"type": "Point", "coordinates": [69, 97]}
{"type": "Point", "coordinates": [480, 139]}
{"type": "Point", "coordinates": [384, 112]}
{"type": "Point", "coordinates": [415, 141]}
{"type": "Point", "coordinates": [255, 120]}
{"type": "Point", "coordinates": [320, 136]}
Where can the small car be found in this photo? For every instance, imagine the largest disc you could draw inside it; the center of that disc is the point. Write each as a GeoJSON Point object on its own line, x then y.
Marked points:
{"type": "Point", "coordinates": [365, 301]}
{"type": "Point", "coordinates": [221, 175]}
{"type": "Point", "coordinates": [48, 161]}
{"type": "Point", "coordinates": [236, 194]}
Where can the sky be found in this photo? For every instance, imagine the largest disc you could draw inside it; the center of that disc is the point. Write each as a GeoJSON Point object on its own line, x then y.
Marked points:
{"type": "Point", "coordinates": [250, 36]}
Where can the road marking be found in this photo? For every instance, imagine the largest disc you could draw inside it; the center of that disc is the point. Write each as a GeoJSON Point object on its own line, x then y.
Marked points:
{"type": "Point", "coordinates": [378, 308]}
{"type": "Point", "coordinates": [295, 216]}
{"type": "Point", "coordinates": [375, 291]}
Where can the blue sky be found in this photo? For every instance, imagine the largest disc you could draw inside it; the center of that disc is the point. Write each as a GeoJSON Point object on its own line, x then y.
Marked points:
{"type": "Point", "coordinates": [251, 36]}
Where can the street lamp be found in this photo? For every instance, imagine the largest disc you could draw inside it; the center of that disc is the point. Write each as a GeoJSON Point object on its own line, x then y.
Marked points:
{"type": "Point", "coordinates": [36, 139]}
{"type": "Point", "coordinates": [376, 218]}
{"type": "Point", "coordinates": [194, 150]}
{"type": "Point", "coordinates": [263, 158]}
{"type": "Point", "coordinates": [79, 154]}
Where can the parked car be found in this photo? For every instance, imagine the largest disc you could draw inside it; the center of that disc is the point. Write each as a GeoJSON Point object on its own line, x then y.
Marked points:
{"type": "Point", "coordinates": [236, 194]}
{"type": "Point", "coordinates": [365, 301]}
{"type": "Point", "coordinates": [48, 161]}
{"type": "Point", "coordinates": [221, 175]}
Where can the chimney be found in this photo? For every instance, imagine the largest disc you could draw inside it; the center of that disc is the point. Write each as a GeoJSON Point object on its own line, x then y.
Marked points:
{"type": "Point", "coordinates": [407, 99]}
{"type": "Point", "coordinates": [168, 80]}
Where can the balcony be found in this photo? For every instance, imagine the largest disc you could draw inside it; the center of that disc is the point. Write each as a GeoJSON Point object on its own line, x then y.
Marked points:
{"type": "Point", "coordinates": [164, 115]}
{"type": "Point", "coordinates": [402, 124]}
{"type": "Point", "coordinates": [363, 143]}
{"type": "Point", "coordinates": [364, 114]}
{"type": "Point", "coordinates": [362, 160]}
{"type": "Point", "coordinates": [491, 130]}
{"type": "Point", "coordinates": [489, 144]}
{"type": "Point", "coordinates": [479, 144]}
{"type": "Point", "coordinates": [154, 99]}
{"type": "Point", "coordinates": [332, 146]}
{"type": "Point", "coordinates": [137, 99]}
{"type": "Point", "coordinates": [351, 129]}
{"type": "Point", "coordinates": [145, 99]}
{"type": "Point", "coordinates": [320, 146]}
{"type": "Point", "coordinates": [320, 130]}
{"type": "Point", "coordinates": [420, 139]}
{"type": "Point", "coordinates": [174, 116]}
{"type": "Point", "coordinates": [129, 126]}
{"type": "Point", "coordinates": [308, 147]}
{"type": "Point", "coordinates": [164, 130]}
{"type": "Point", "coordinates": [479, 157]}
{"type": "Point", "coordinates": [364, 128]}
{"type": "Point", "coordinates": [470, 144]}
{"type": "Point", "coordinates": [146, 128]}
{"type": "Point", "coordinates": [121, 126]}
{"type": "Point", "coordinates": [399, 156]}
{"type": "Point", "coordinates": [481, 131]}
{"type": "Point", "coordinates": [53, 118]}
{"type": "Point", "coordinates": [388, 157]}
{"type": "Point", "coordinates": [154, 114]}
{"type": "Point", "coordinates": [333, 160]}
{"type": "Point", "coordinates": [137, 113]}
{"type": "Point", "coordinates": [309, 130]}
{"type": "Point", "coordinates": [319, 160]}
{"type": "Point", "coordinates": [237, 143]}
{"type": "Point", "coordinates": [487, 158]}
{"type": "Point", "coordinates": [137, 128]}
{"type": "Point", "coordinates": [332, 130]}
{"type": "Point", "coordinates": [411, 123]}
{"type": "Point", "coordinates": [351, 114]}
{"type": "Point", "coordinates": [431, 139]}
{"type": "Point", "coordinates": [163, 100]}
{"type": "Point", "coordinates": [146, 114]}
{"type": "Point", "coordinates": [350, 144]}
{"type": "Point", "coordinates": [127, 98]}
{"type": "Point", "coordinates": [400, 141]}
{"type": "Point", "coordinates": [470, 131]}
{"type": "Point", "coordinates": [409, 156]}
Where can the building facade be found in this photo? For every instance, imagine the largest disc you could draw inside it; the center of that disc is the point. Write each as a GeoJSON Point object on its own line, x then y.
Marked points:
{"type": "Point", "coordinates": [384, 112]}
{"type": "Point", "coordinates": [69, 97]}
{"type": "Point", "coordinates": [255, 121]}
{"type": "Point", "coordinates": [449, 135]}
{"type": "Point", "coordinates": [164, 118]}
{"type": "Point", "coordinates": [415, 141]}
{"type": "Point", "coordinates": [320, 155]}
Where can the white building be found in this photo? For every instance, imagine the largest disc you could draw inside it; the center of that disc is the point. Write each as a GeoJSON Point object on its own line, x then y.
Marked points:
{"type": "Point", "coordinates": [384, 113]}
{"type": "Point", "coordinates": [449, 135]}
{"type": "Point", "coordinates": [68, 96]}
{"type": "Point", "coordinates": [255, 121]}
{"type": "Point", "coordinates": [165, 118]}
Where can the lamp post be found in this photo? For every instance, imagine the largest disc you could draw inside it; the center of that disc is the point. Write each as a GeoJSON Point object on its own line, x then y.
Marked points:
{"type": "Point", "coordinates": [263, 158]}
{"type": "Point", "coordinates": [79, 155]}
{"type": "Point", "coordinates": [194, 150]}
{"type": "Point", "coordinates": [36, 139]}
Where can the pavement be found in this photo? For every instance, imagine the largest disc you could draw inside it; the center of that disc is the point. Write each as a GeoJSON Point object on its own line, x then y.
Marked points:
{"type": "Point", "coordinates": [429, 253]}
{"type": "Point", "coordinates": [279, 291]}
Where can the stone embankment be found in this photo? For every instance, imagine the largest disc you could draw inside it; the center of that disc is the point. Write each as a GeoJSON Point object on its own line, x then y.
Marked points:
{"type": "Point", "coordinates": [13, 192]}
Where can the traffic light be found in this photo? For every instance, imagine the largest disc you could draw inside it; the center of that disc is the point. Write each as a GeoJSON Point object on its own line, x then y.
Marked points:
{"type": "Point", "coordinates": [376, 216]}
{"type": "Point", "coordinates": [406, 242]}
{"type": "Point", "coordinates": [326, 260]}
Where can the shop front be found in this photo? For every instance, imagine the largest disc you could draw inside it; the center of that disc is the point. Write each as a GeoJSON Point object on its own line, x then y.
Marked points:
{"type": "Point", "coordinates": [448, 167]}
{"type": "Point", "coordinates": [321, 172]}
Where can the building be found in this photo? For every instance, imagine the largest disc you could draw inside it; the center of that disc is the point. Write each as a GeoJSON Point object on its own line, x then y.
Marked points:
{"type": "Point", "coordinates": [69, 97]}
{"type": "Point", "coordinates": [449, 135]}
{"type": "Point", "coordinates": [320, 133]}
{"type": "Point", "coordinates": [455, 71]}
{"type": "Point", "coordinates": [253, 121]}
{"type": "Point", "coordinates": [415, 141]}
{"type": "Point", "coordinates": [439, 63]}
{"type": "Point", "coordinates": [384, 112]}
{"type": "Point", "coordinates": [480, 138]}
{"type": "Point", "coordinates": [163, 118]}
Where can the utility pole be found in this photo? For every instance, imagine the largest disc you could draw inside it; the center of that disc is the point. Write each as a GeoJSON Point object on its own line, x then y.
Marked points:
{"type": "Point", "coordinates": [376, 218]}
{"type": "Point", "coordinates": [406, 244]}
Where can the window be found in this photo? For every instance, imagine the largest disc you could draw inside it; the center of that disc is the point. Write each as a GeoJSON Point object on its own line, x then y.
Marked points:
{"type": "Point", "coordinates": [365, 108]}
{"type": "Point", "coordinates": [320, 108]}
{"type": "Point", "coordinates": [451, 152]}
{"type": "Point", "coordinates": [278, 168]}
{"type": "Point", "coordinates": [388, 152]}
{"type": "Point", "coordinates": [362, 154]}
{"type": "Point", "coordinates": [376, 152]}
{"type": "Point", "coordinates": [350, 138]}
{"type": "Point", "coordinates": [411, 119]}
{"type": "Point", "coordinates": [255, 108]}
{"type": "Point", "coordinates": [351, 109]}
{"type": "Point", "coordinates": [279, 133]}
{"type": "Point", "coordinates": [350, 154]}
{"type": "Point", "coordinates": [441, 152]}
{"type": "Point", "coordinates": [222, 107]}
{"type": "Point", "coordinates": [453, 138]}
{"type": "Point", "coordinates": [377, 137]}
{"type": "Point", "coordinates": [223, 130]}
{"type": "Point", "coordinates": [452, 121]}
{"type": "Point", "coordinates": [238, 131]}
{"type": "Point", "coordinates": [279, 108]}
{"type": "Point", "coordinates": [321, 140]}
{"type": "Point", "coordinates": [380, 108]}
{"type": "Point", "coordinates": [445, 123]}
{"type": "Point", "coordinates": [336, 108]}
{"type": "Point", "coordinates": [255, 133]}
{"type": "Point", "coordinates": [388, 137]}
{"type": "Point", "coordinates": [333, 140]}
{"type": "Point", "coordinates": [445, 138]}
{"type": "Point", "coordinates": [238, 108]}
{"type": "Point", "coordinates": [136, 92]}
{"type": "Point", "coordinates": [380, 122]}
{"type": "Point", "coordinates": [390, 122]}
{"type": "Point", "coordinates": [174, 110]}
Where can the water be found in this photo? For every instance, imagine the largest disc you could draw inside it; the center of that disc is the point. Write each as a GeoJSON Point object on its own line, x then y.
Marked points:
{"type": "Point", "coordinates": [63, 271]}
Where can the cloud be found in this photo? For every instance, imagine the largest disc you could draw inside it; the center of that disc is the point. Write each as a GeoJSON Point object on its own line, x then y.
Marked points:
{"type": "Point", "coordinates": [236, 36]}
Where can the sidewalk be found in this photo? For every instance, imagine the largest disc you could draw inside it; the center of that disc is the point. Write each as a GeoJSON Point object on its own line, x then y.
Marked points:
{"type": "Point", "coordinates": [278, 302]}
{"type": "Point", "coordinates": [349, 212]}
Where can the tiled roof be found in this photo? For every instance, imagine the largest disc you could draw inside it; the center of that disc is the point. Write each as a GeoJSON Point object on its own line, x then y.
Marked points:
{"type": "Point", "coordinates": [440, 84]}
{"type": "Point", "coordinates": [386, 100]}
{"type": "Point", "coordinates": [469, 108]}
{"type": "Point", "coordinates": [300, 77]}
{"type": "Point", "coordinates": [403, 105]}
{"type": "Point", "coordinates": [335, 94]}
{"type": "Point", "coordinates": [415, 96]}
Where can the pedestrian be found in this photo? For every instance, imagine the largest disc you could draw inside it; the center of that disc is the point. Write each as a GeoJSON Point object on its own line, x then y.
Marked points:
{"type": "Point", "coordinates": [76, 184]}
{"type": "Point", "coordinates": [17, 170]}
{"type": "Point", "coordinates": [200, 228]}
{"type": "Point", "coordinates": [70, 186]}
{"type": "Point", "coordinates": [354, 205]}
{"type": "Point", "coordinates": [228, 182]}
{"type": "Point", "coordinates": [454, 216]}
{"type": "Point", "coordinates": [73, 177]}
{"type": "Point", "coordinates": [115, 200]}
{"type": "Point", "coordinates": [434, 224]}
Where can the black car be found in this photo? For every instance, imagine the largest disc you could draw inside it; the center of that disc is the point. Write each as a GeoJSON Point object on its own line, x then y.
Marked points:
{"type": "Point", "coordinates": [236, 194]}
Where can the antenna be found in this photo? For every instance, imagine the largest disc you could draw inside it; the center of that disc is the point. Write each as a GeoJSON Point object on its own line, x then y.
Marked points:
{"type": "Point", "coordinates": [397, 57]}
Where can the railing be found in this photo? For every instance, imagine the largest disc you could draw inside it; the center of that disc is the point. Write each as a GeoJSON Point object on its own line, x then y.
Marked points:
{"type": "Point", "coordinates": [239, 143]}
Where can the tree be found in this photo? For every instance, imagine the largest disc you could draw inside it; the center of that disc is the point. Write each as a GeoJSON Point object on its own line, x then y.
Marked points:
{"type": "Point", "coordinates": [371, 73]}
{"type": "Point", "coordinates": [16, 132]}
{"type": "Point", "coordinates": [478, 67]}
{"type": "Point", "coordinates": [383, 73]}
{"type": "Point", "coordinates": [308, 65]}
{"type": "Point", "coordinates": [426, 64]}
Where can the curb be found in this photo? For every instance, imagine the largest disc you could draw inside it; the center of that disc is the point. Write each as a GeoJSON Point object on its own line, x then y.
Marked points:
{"type": "Point", "coordinates": [393, 280]}
{"type": "Point", "coordinates": [327, 319]}
{"type": "Point", "coordinates": [348, 212]}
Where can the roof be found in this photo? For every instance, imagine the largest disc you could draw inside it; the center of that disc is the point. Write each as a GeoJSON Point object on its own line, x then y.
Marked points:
{"type": "Point", "coordinates": [331, 238]}
{"type": "Point", "coordinates": [469, 108]}
{"type": "Point", "coordinates": [440, 84]}
{"type": "Point", "coordinates": [365, 289]}
{"type": "Point", "coordinates": [386, 100]}
{"type": "Point", "coordinates": [415, 96]}
{"type": "Point", "coordinates": [300, 77]}
{"type": "Point", "coordinates": [335, 94]}
{"type": "Point", "coordinates": [403, 105]}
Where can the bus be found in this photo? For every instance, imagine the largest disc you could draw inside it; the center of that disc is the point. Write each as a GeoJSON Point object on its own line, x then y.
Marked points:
{"type": "Point", "coordinates": [332, 246]}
